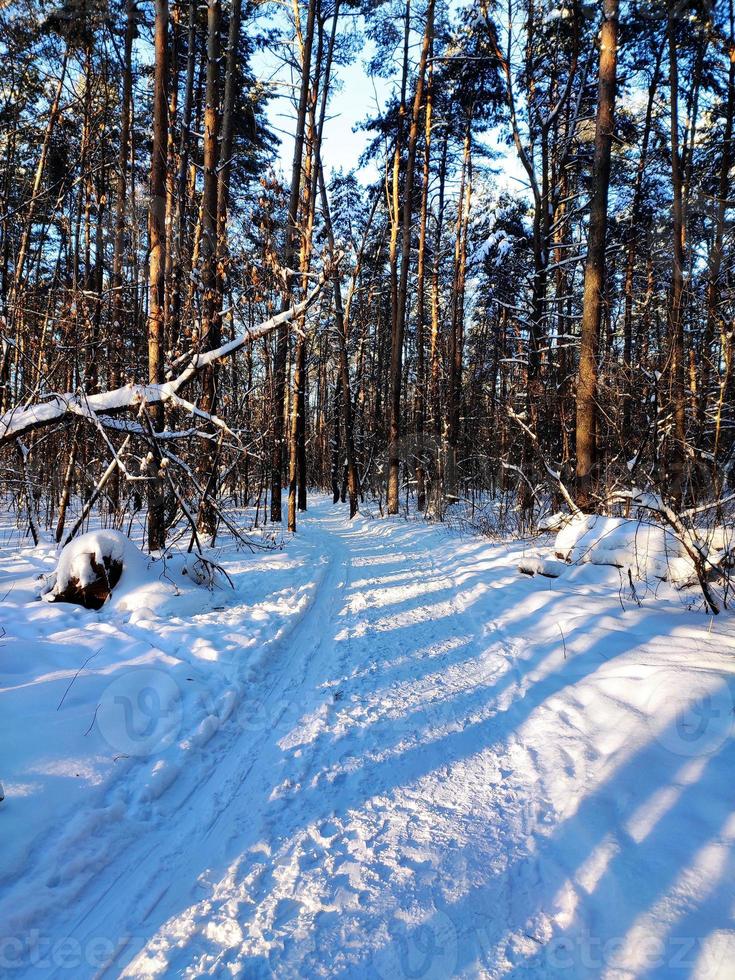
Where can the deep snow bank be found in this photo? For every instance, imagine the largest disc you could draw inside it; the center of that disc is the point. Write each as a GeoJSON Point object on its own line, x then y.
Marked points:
{"type": "Point", "coordinates": [647, 549]}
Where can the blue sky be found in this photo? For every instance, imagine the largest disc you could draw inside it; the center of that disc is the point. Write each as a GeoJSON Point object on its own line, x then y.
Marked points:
{"type": "Point", "coordinates": [357, 96]}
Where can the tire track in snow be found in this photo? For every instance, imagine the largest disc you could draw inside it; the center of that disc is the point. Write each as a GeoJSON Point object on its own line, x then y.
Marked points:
{"type": "Point", "coordinates": [243, 759]}
{"type": "Point", "coordinates": [331, 854]}
{"type": "Point", "coordinates": [89, 878]}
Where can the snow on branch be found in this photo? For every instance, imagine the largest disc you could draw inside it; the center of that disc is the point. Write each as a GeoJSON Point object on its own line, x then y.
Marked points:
{"type": "Point", "coordinates": [18, 421]}
{"type": "Point", "coordinates": [686, 534]}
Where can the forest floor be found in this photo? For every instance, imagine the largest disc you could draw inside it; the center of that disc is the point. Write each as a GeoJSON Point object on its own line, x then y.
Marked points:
{"type": "Point", "coordinates": [386, 753]}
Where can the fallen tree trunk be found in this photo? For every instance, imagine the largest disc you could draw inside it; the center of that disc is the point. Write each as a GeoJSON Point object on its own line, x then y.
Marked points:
{"type": "Point", "coordinates": [19, 421]}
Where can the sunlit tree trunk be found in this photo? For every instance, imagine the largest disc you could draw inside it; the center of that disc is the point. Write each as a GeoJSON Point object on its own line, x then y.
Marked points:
{"type": "Point", "coordinates": [400, 295]}
{"type": "Point", "coordinates": [421, 386]}
{"type": "Point", "coordinates": [289, 253]}
{"type": "Point", "coordinates": [119, 319]}
{"type": "Point", "coordinates": [676, 455]}
{"type": "Point", "coordinates": [594, 275]}
{"type": "Point", "coordinates": [456, 339]}
{"type": "Point", "coordinates": [716, 320]}
{"type": "Point", "coordinates": [210, 323]}
{"type": "Point", "coordinates": [157, 262]}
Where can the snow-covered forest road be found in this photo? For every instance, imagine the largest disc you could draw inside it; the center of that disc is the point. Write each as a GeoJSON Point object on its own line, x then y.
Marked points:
{"type": "Point", "coordinates": [428, 766]}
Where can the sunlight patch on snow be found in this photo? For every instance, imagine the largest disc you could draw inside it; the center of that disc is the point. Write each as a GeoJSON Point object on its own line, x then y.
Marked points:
{"type": "Point", "coordinates": [226, 932]}
{"type": "Point", "coordinates": [20, 789]}
{"type": "Point", "coordinates": [68, 769]}
{"type": "Point", "coordinates": [382, 581]}
{"type": "Point", "coordinates": [204, 650]}
{"type": "Point", "coordinates": [693, 883]}
{"type": "Point", "coordinates": [593, 867]}
{"type": "Point", "coordinates": [147, 965]}
{"type": "Point", "coordinates": [380, 597]}
{"type": "Point", "coordinates": [716, 952]}
{"type": "Point", "coordinates": [359, 561]}
{"type": "Point", "coordinates": [437, 650]}
{"type": "Point", "coordinates": [642, 821]}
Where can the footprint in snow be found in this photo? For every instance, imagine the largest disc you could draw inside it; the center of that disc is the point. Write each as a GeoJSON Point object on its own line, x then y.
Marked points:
{"type": "Point", "coordinates": [329, 829]}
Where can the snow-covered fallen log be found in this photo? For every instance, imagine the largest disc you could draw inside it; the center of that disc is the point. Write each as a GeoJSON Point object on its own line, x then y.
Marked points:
{"type": "Point", "coordinates": [18, 421]}
{"type": "Point", "coordinates": [535, 565]}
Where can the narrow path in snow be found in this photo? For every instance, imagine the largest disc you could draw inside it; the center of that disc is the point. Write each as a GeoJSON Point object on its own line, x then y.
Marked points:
{"type": "Point", "coordinates": [406, 791]}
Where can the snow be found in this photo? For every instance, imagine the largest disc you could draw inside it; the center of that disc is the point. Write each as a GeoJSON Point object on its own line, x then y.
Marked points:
{"type": "Point", "coordinates": [562, 13]}
{"type": "Point", "coordinates": [74, 561]}
{"type": "Point", "coordinates": [538, 565]}
{"type": "Point", "coordinates": [648, 550]}
{"type": "Point", "coordinates": [385, 753]}
{"type": "Point", "coordinates": [555, 521]}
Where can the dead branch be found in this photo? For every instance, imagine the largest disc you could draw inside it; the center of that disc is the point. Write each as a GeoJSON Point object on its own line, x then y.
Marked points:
{"type": "Point", "coordinates": [555, 476]}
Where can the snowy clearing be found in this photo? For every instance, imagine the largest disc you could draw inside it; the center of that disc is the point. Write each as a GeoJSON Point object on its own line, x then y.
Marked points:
{"type": "Point", "coordinates": [386, 753]}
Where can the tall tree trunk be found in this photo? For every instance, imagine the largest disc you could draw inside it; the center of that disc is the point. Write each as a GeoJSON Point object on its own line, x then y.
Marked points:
{"type": "Point", "coordinates": [631, 247]}
{"type": "Point", "coordinates": [171, 150]}
{"type": "Point", "coordinates": [676, 455]}
{"type": "Point", "coordinates": [715, 318]}
{"type": "Point", "coordinates": [435, 341]}
{"type": "Point", "coordinates": [225, 167]}
{"type": "Point", "coordinates": [344, 368]}
{"type": "Point", "coordinates": [457, 327]}
{"type": "Point", "coordinates": [292, 232]}
{"type": "Point", "coordinates": [157, 261]}
{"type": "Point", "coordinates": [118, 254]}
{"type": "Point", "coordinates": [210, 324]}
{"type": "Point", "coordinates": [297, 476]}
{"type": "Point", "coordinates": [295, 427]}
{"type": "Point", "coordinates": [399, 317]}
{"type": "Point", "coordinates": [178, 219]}
{"type": "Point", "coordinates": [594, 273]}
{"type": "Point", "coordinates": [393, 202]}
{"type": "Point", "coordinates": [421, 388]}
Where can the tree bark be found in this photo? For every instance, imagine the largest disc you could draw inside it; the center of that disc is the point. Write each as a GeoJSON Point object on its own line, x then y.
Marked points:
{"type": "Point", "coordinates": [421, 388]}
{"type": "Point", "coordinates": [399, 318]}
{"type": "Point", "coordinates": [157, 258]}
{"type": "Point", "coordinates": [292, 232]}
{"type": "Point", "coordinates": [178, 219]}
{"type": "Point", "coordinates": [456, 352]}
{"type": "Point", "coordinates": [118, 303]}
{"type": "Point", "coordinates": [631, 247]}
{"type": "Point", "coordinates": [594, 275]}
{"type": "Point", "coordinates": [715, 320]}
{"type": "Point", "coordinates": [676, 455]}
{"type": "Point", "coordinates": [225, 167]}
{"type": "Point", "coordinates": [209, 337]}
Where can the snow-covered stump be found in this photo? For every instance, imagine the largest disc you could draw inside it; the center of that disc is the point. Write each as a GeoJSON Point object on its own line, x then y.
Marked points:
{"type": "Point", "coordinates": [91, 566]}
